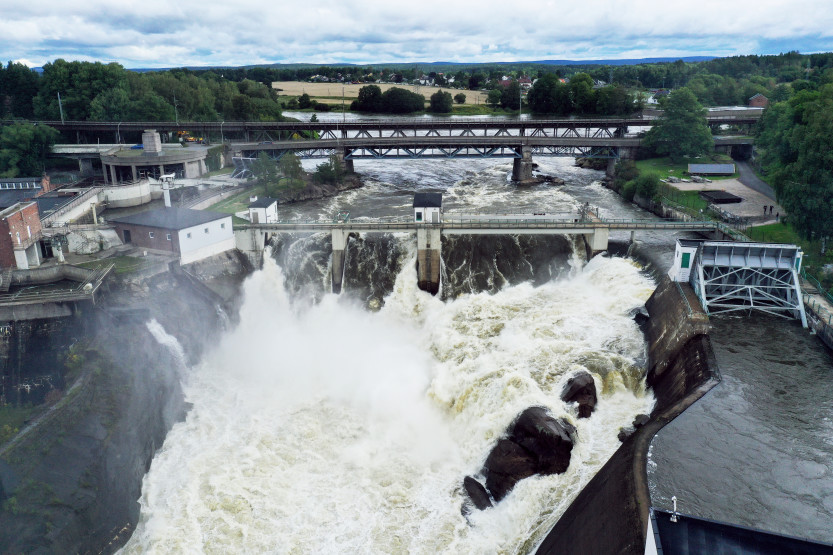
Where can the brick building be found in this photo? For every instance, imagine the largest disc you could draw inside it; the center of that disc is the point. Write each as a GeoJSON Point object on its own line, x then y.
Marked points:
{"type": "Point", "coordinates": [759, 101]}
{"type": "Point", "coordinates": [20, 233]}
{"type": "Point", "coordinates": [192, 234]}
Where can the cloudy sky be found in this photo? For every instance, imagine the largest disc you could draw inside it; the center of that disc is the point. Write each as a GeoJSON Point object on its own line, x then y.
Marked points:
{"type": "Point", "coordinates": [170, 33]}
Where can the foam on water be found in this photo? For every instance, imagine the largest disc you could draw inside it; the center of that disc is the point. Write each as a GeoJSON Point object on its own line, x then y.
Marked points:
{"type": "Point", "coordinates": [331, 429]}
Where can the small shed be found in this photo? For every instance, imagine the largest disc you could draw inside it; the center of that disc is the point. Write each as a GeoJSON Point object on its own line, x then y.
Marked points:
{"type": "Point", "coordinates": [683, 260]}
{"type": "Point", "coordinates": [428, 208]}
{"type": "Point", "coordinates": [263, 210]}
{"type": "Point", "coordinates": [711, 169]}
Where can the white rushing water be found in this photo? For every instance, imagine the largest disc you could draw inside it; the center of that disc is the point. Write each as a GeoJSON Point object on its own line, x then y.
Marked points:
{"type": "Point", "coordinates": [331, 429]}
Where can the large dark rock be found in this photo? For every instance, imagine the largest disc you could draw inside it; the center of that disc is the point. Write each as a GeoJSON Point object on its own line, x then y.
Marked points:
{"type": "Point", "coordinates": [581, 389]}
{"type": "Point", "coordinates": [478, 494]}
{"type": "Point", "coordinates": [537, 443]}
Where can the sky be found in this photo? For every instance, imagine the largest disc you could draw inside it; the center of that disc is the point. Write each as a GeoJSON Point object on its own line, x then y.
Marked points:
{"type": "Point", "coordinates": [174, 33]}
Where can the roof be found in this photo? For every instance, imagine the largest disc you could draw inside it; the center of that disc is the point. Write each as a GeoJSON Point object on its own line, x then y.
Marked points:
{"type": "Point", "coordinates": [49, 203]}
{"type": "Point", "coordinates": [720, 197]}
{"type": "Point", "coordinates": [263, 202]}
{"type": "Point", "coordinates": [171, 218]}
{"type": "Point", "coordinates": [757, 95]}
{"type": "Point", "coordinates": [14, 208]}
{"type": "Point", "coordinates": [18, 180]}
{"type": "Point", "coordinates": [8, 197]}
{"type": "Point", "coordinates": [428, 200]}
{"type": "Point", "coordinates": [722, 169]}
{"type": "Point", "coordinates": [698, 535]}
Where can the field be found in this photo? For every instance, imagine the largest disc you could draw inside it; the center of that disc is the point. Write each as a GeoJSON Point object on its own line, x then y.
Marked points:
{"type": "Point", "coordinates": [330, 93]}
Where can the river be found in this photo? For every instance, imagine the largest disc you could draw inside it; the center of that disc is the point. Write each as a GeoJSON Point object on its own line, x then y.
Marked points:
{"type": "Point", "coordinates": [319, 426]}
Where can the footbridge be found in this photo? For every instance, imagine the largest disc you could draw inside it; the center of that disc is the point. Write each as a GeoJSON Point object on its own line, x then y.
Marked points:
{"type": "Point", "coordinates": [587, 224]}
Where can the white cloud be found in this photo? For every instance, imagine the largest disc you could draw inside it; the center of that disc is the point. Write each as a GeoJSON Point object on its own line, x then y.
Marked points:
{"type": "Point", "coordinates": [160, 33]}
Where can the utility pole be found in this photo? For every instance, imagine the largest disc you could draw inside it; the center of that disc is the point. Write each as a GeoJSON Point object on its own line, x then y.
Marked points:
{"type": "Point", "coordinates": [60, 107]}
{"type": "Point", "coordinates": [176, 111]}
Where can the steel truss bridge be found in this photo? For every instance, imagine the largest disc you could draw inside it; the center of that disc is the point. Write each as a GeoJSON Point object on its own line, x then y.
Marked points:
{"type": "Point", "coordinates": [391, 127]}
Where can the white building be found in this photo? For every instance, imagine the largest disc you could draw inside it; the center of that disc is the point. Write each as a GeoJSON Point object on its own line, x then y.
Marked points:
{"type": "Point", "coordinates": [263, 210]}
{"type": "Point", "coordinates": [193, 234]}
{"type": "Point", "coordinates": [428, 208]}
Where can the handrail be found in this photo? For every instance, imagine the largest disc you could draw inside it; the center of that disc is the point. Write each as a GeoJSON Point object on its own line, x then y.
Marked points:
{"type": "Point", "coordinates": [685, 298]}
{"type": "Point", "coordinates": [47, 220]}
{"type": "Point", "coordinates": [817, 284]}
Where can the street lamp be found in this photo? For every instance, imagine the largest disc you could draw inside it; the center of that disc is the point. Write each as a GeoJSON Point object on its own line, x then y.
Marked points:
{"type": "Point", "coordinates": [222, 140]}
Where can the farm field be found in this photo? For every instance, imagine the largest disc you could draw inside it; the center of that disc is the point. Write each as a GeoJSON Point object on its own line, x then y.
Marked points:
{"type": "Point", "coordinates": [331, 92]}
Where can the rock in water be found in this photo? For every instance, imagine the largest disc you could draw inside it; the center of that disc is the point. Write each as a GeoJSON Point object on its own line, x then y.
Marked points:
{"type": "Point", "coordinates": [537, 444]}
{"type": "Point", "coordinates": [477, 493]}
{"type": "Point", "coordinates": [581, 389]}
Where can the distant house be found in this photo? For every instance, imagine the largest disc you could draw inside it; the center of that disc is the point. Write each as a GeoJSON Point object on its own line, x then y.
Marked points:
{"type": "Point", "coordinates": [263, 210]}
{"type": "Point", "coordinates": [428, 207]}
{"type": "Point", "coordinates": [525, 83]}
{"type": "Point", "coordinates": [758, 101]}
{"type": "Point", "coordinates": [192, 234]}
{"type": "Point", "coordinates": [20, 233]}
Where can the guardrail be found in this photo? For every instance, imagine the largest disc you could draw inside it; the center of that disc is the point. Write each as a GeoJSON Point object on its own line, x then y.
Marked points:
{"type": "Point", "coordinates": [47, 221]}
{"type": "Point", "coordinates": [79, 292]}
{"type": "Point", "coordinates": [817, 284]}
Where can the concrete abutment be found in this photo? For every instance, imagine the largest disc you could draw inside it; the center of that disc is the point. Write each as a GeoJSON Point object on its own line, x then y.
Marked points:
{"type": "Point", "coordinates": [429, 247]}
{"type": "Point", "coordinates": [522, 167]}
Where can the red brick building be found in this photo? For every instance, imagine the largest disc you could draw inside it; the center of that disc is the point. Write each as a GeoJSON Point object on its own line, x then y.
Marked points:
{"type": "Point", "coordinates": [759, 101]}
{"type": "Point", "coordinates": [20, 231]}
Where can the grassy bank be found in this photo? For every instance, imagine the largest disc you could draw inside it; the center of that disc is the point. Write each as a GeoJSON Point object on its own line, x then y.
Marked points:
{"type": "Point", "coordinates": [12, 419]}
{"type": "Point", "coordinates": [665, 167]}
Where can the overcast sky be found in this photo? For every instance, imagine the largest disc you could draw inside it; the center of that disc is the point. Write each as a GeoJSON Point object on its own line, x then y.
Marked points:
{"type": "Point", "coordinates": [172, 33]}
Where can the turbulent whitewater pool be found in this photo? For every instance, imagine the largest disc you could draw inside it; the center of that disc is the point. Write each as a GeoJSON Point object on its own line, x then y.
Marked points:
{"type": "Point", "coordinates": [327, 428]}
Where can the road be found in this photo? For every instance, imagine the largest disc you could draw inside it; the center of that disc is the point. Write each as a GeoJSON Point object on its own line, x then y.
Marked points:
{"type": "Point", "coordinates": [747, 177]}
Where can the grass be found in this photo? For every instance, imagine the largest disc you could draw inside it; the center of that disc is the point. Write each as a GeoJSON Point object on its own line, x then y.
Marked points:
{"type": "Point", "coordinates": [333, 91]}
{"type": "Point", "coordinates": [665, 167]}
{"type": "Point", "coordinates": [689, 199]}
{"type": "Point", "coordinates": [222, 171]}
{"type": "Point", "coordinates": [238, 202]}
{"type": "Point", "coordinates": [123, 264]}
{"type": "Point", "coordinates": [13, 418]}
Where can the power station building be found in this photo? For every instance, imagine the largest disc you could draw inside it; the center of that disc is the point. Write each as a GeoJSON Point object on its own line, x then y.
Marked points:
{"type": "Point", "coordinates": [153, 159]}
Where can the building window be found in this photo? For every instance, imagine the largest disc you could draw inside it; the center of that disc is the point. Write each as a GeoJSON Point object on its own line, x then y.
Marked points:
{"type": "Point", "coordinates": [187, 235]}
{"type": "Point", "coordinates": [150, 234]}
{"type": "Point", "coordinates": [168, 236]}
{"type": "Point", "coordinates": [222, 226]}
{"type": "Point", "coordinates": [419, 216]}
{"type": "Point", "coordinates": [206, 230]}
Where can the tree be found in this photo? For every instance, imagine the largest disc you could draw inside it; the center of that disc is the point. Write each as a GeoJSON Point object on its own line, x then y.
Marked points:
{"type": "Point", "coordinates": [304, 101]}
{"type": "Point", "coordinates": [794, 137]}
{"type": "Point", "coordinates": [24, 148]}
{"type": "Point", "coordinates": [682, 129]}
{"type": "Point", "coordinates": [510, 96]}
{"type": "Point", "coordinates": [290, 167]}
{"type": "Point", "coordinates": [460, 98]}
{"type": "Point", "coordinates": [441, 102]}
{"type": "Point", "coordinates": [331, 171]}
{"type": "Point", "coordinates": [581, 93]}
{"type": "Point", "coordinates": [265, 169]}
{"type": "Point", "coordinates": [549, 96]}
{"type": "Point", "coordinates": [647, 185]}
{"type": "Point", "coordinates": [369, 100]}
{"type": "Point", "coordinates": [493, 98]}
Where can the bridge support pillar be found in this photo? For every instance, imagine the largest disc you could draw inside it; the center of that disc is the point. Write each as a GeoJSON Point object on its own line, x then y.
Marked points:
{"type": "Point", "coordinates": [85, 167]}
{"type": "Point", "coordinates": [597, 241]}
{"type": "Point", "coordinates": [610, 170]}
{"type": "Point", "coordinates": [522, 167]}
{"type": "Point", "coordinates": [340, 239]}
{"type": "Point", "coordinates": [346, 163]}
{"type": "Point", "coordinates": [429, 244]}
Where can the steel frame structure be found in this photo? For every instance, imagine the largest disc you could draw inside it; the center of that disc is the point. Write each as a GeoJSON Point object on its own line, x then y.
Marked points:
{"type": "Point", "coordinates": [731, 277]}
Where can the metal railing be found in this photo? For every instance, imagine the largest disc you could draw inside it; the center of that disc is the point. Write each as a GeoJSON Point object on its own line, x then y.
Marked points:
{"type": "Point", "coordinates": [822, 291]}
{"type": "Point", "coordinates": [79, 199]}
{"type": "Point", "coordinates": [79, 292]}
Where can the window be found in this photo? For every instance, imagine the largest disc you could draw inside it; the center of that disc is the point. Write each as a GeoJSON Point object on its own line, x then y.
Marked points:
{"type": "Point", "coordinates": [150, 234]}
{"type": "Point", "coordinates": [168, 236]}
{"type": "Point", "coordinates": [206, 230]}
{"type": "Point", "coordinates": [222, 226]}
{"type": "Point", "coordinates": [187, 235]}
{"type": "Point", "coordinates": [419, 216]}
{"type": "Point", "coordinates": [686, 260]}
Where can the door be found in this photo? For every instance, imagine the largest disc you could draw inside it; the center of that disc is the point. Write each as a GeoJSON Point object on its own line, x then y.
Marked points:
{"type": "Point", "coordinates": [435, 217]}
{"type": "Point", "coordinates": [255, 217]}
{"type": "Point", "coordinates": [126, 236]}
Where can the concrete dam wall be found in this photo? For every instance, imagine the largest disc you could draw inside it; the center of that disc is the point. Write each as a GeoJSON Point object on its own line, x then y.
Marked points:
{"type": "Point", "coordinates": [610, 515]}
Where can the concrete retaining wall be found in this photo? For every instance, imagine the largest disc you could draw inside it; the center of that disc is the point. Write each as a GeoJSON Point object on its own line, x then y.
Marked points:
{"type": "Point", "coordinates": [610, 515]}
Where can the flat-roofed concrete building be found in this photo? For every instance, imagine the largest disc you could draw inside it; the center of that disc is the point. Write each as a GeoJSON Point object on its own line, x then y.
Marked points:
{"type": "Point", "coordinates": [192, 234]}
{"type": "Point", "coordinates": [153, 159]}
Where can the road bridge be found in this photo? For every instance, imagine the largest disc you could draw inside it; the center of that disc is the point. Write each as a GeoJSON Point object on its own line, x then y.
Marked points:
{"type": "Point", "coordinates": [594, 230]}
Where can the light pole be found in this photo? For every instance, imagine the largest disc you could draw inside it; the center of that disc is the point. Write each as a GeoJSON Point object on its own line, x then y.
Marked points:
{"type": "Point", "coordinates": [222, 140]}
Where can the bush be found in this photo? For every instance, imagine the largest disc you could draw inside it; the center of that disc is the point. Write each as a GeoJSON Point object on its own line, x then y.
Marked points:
{"type": "Point", "coordinates": [629, 190]}
{"type": "Point", "coordinates": [647, 185]}
{"type": "Point", "coordinates": [460, 98]}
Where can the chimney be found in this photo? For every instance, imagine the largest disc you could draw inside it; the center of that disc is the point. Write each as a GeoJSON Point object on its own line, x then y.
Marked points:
{"type": "Point", "coordinates": [45, 184]}
{"type": "Point", "coordinates": [151, 142]}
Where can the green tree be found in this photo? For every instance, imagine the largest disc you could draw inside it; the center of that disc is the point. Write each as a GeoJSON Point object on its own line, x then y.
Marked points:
{"type": "Point", "coordinates": [331, 171]}
{"type": "Point", "coordinates": [304, 101]}
{"type": "Point", "coordinates": [24, 148]}
{"type": "Point", "coordinates": [493, 98]}
{"type": "Point", "coordinates": [581, 93]}
{"type": "Point", "coordinates": [265, 169]}
{"type": "Point", "coordinates": [549, 96]}
{"type": "Point", "coordinates": [794, 137]}
{"type": "Point", "coordinates": [510, 96]}
{"type": "Point", "coordinates": [441, 102]}
{"type": "Point", "coordinates": [18, 85]}
{"type": "Point", "coordinates": [460, 98]}
{"type": "Point", "coordinates": [682, 129]}
{"type": "Point", "coordinates": [290, 167]}
{"type": "Point", "coordinates": [369, 100]}
{"type": "Point", "coordinates": [647, 185]}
